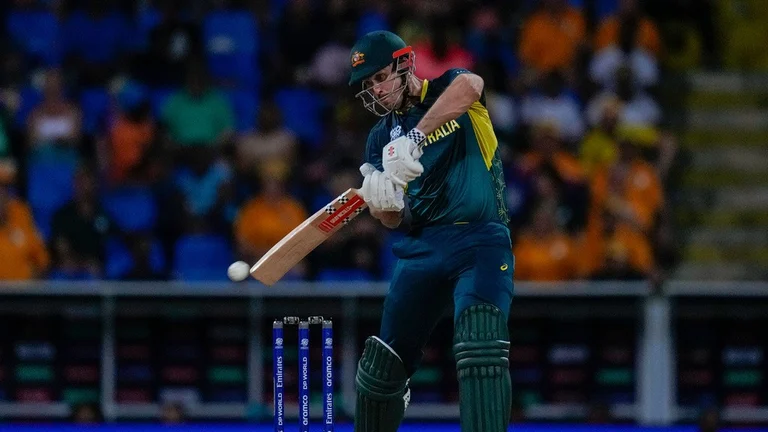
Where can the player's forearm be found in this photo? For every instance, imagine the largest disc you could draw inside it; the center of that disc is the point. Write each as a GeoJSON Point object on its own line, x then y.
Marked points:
{"type": "Point", "coordinates": [455, 101]}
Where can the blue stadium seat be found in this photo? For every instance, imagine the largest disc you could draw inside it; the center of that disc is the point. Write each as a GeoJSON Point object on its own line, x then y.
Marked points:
{"type": "Point", "coordinates": [37, 33]}
{"type": "Point", "coordinates": [95, 103]}
{"type": "Point", "coordinates": [371, 21]}
{"type": "Point", "coordinates": [343, 275]}
{"type": "Point", "coordinates": [159, 97]}
{"type": "Point", "coordinates": [49, 186]}
{"type": "Point", "coordinates": [244, 104]}
{"type": "Point", "coordinates": [30, 98]}
{"type": "Point", "coordinates": [231, 42]}
{"type": "Point", "coordinates": [133, 209]}
{"type": "Point", "coordinates": [202, 257]}
{"type": "Point", "coordinates": [305, 107]}
{"type": "Point", "coordinates": [119, 260]}
{"type": "Point", "coordinates": [604, 8]}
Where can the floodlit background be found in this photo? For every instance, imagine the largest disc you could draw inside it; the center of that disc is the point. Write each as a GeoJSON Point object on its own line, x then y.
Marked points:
{"type": "Point", "coordinates": [146, 144]}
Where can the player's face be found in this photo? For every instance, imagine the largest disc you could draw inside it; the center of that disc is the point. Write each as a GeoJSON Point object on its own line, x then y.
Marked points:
{"type": "Point", "coordinates": [386, 86]}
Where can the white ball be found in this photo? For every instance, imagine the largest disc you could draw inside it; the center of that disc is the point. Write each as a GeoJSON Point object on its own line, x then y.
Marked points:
{"type": "Point", "coordinates": [238, 271]}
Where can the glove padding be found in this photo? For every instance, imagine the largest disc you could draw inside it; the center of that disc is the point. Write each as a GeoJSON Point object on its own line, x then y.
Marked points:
{"type": "Point", "coordinates": [400, 160]}
{"type": "Point", "coordinates": [379, 191]}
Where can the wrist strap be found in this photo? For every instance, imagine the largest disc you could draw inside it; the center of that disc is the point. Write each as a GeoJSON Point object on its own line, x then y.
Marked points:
{"type": "Point", "coordinates": [416, 135]}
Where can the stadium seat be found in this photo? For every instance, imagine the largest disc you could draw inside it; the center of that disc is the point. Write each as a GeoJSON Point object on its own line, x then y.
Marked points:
{"type": "Point", "coordinates": [305, 107]}
{"type": "Point", "coordinates": [133, 209]}
{"type": "Point", "coordinates": [245, 107]}
{"type": "Point", "coordinates": [95, 103]}
{"type": "Point", "coordinates": [343, 275]}
{"type": "Point", "coordinates": [49, 186]}
{"type": "Point", "coordinates": [119, 260]}
{"type": "Point", "coordinates": [37, 33]}
{"type": "Point", "coordinates": [202, 257]}
{"type": "Point", "coordinates": [158, 99]}
{"type": "Point", "coordinates": [231, 43]}
{"type": "Point", "coordinates": [30, 98]}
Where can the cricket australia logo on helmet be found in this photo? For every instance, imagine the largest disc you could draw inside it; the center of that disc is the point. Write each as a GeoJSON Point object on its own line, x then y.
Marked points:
{"type": "Point", "coordinates": [358, 58]}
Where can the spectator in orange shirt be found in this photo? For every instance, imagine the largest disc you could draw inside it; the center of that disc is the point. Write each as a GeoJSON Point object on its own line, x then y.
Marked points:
{"type": "Point", "coordinates": [615, 251]}
{"type": "Point", "coordinates": [543, 252]}
{"type": "Point", "coordinates": [630, 189]}
{"type": "Point", "coordinates": [22, 249]}
{"type": "Point", "coordinates": [552, 36]}
{"type": "Point", "coordinates": [629, 16]}
{"type": "Point", "coordinates": [267, 218]}
{"type": "Point", "coordinates": [130, 137]}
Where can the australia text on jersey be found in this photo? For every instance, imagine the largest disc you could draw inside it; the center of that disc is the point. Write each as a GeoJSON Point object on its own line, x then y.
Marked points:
{"type": "Point", "coordinates": [443, 131]}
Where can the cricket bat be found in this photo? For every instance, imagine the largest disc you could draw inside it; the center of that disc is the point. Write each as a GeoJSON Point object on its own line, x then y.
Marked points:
{"type": "Point", "coordinates": [297, 244]}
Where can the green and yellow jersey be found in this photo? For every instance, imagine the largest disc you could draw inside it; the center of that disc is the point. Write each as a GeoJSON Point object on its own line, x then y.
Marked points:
{"type": "Point", "coordinates": [463, 180]}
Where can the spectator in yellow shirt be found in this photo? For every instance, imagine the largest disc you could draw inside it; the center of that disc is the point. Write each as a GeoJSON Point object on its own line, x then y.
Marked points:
{"type": "Point", "coordinates": [22, 251]}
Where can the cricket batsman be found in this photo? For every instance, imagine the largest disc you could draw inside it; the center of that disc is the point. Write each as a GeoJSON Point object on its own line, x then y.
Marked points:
{"type": "Point", "coordinates": [448, 196]}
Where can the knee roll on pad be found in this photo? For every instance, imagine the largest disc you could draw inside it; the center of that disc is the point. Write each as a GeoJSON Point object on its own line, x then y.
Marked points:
{"type": "Point", "coordinates": [481, 350]}
{"type": "Point", "coordinates": [382, 388]}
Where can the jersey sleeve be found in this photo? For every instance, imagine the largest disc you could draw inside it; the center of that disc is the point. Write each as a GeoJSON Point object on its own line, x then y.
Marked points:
{"type": "Point", "coordinates": [436, 86]}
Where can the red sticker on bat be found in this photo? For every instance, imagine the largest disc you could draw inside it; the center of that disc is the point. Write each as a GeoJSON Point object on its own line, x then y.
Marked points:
{"type": "Point", "coordinates": [342, 213]}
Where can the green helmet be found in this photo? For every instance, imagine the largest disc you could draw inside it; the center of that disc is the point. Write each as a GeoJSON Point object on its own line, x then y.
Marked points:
{"type": "Point", "coordinates": [373, 52]}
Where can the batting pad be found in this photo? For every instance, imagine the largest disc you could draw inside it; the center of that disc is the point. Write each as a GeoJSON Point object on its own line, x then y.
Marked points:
{"type": "Point", "coordinates": [481, 350]}
{"type": "Point", "coordinates": [382, 388]}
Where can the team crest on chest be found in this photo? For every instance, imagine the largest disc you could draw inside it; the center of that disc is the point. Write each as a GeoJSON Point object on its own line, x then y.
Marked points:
{"type": "Point", "coordinates": [395, 132]}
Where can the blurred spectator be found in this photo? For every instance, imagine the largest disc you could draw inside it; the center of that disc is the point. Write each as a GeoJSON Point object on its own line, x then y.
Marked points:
{"type": "Point", "coordinates": [625, 51]}
{"type": "Point", "coordinates": [301, 32]}
{"type": "Point", "coordinates": [56, 121]}
{"type": "Point", "coordinates": [97, 40]}
{"type": "Point", "coordinates": [543, 252]}
{"type": "Point", "coordinates": [547, 148]}
{"type": "Point", "coordinates": [172, 413]}
{"type": "Point", "coordinates": [173, 44]}
{"type": "Point", "coordinates": [626, 200]}
{"type": "Point", "coordinates": [599, 149]}
{"type": "Point", "coordinates": [5, 144]}
{"type": "Point", "coordinates": [206, 194]}
{"type": "Point", "coordinates": [554, 104]}
{"type": "Point", "coordinates": [144, 263]}
{"type": "Point", "coordinates": [23, 251]}
{"type": "Point", "coordinates": [637, 107]}
{"type": "Point", "coordinates": [270, 142]}
{"type": "Point", "coordinates": [631, 20]}
{"type": "Point", "coordinates": [80, 230]}
{"type": "Point", "coordinates": [268, 217]}
{"type": "Point", "coordinates": [552, 36]}
{"type": "Point", "coordinates": [441, 52]}
{"type": "Point", "coordinates": [329, 65]}
{"type": "Point", "coordinates": [198, 115]}
{"type": "Point", "coordinates": [86, 414]}
{"type": "Point", "coordinates": [614, 251]}
{"type": "Point", "coordinates": [555, 176]}
{"type": "Point", "coordinates": [630, 189]}
{"type": "Point", "coordinates": [130, 137]}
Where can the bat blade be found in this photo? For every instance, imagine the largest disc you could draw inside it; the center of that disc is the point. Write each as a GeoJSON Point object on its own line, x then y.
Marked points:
{"type": "Point", "coordinates": [297, 244]}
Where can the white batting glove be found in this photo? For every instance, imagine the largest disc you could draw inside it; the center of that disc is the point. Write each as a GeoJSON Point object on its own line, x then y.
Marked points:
{"type": "Point", "coordinates": [379, 191]}
{"type": "Point", "coordinates": [400, 158]}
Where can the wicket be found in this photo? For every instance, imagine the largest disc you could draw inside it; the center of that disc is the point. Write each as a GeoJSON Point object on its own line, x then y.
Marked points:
{"type": "Point", "coordinates": [278, 366]}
